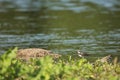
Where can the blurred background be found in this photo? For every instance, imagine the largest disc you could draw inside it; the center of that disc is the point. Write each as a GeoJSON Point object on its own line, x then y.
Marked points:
{"type": "Point", "coordinates": [62, 26]}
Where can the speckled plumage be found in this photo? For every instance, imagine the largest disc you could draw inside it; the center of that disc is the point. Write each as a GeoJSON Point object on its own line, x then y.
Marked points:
{"type": "Point", "coordinates": [34, 53]}
{"type": "Point", "coordinates": [106, 59]}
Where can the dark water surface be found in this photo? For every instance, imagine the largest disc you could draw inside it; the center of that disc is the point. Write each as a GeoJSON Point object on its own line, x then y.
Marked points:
{"type": "Point", "coordinates": [62, 26]}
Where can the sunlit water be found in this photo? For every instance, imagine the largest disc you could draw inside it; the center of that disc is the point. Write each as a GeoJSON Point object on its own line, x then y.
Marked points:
{"type": "Point", "coordinates": [63, 26]}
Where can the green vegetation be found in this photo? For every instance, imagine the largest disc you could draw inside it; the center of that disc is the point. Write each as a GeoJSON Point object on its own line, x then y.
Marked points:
{"type": "Point", "coordinates": [48, 69]}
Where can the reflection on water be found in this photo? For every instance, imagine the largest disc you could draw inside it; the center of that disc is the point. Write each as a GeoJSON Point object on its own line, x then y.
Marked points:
{"type": "Point", "coordinates": [76, 5]}
{"type": "Point", "coordinates": [63, 26]}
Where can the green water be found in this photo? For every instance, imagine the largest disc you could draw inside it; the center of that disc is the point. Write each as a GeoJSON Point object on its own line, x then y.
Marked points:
{"type": "Point", "coordinates": [62, 26]}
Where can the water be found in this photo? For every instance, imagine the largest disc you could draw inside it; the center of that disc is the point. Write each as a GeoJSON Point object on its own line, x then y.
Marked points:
{"type": "Point", "coordinates": [62, 26]}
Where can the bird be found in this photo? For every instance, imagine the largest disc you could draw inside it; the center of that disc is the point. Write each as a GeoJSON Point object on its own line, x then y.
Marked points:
{"type": "Point", "coordinates": [82, 54]}
{"type": "Point", "coordinates": [106, 59]}
{"type": "Point", "coordinates": [28, 53]}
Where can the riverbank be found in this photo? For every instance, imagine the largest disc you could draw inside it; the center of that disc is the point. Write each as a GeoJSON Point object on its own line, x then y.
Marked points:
{"type": "Point", "coordinates": [47, 68]}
